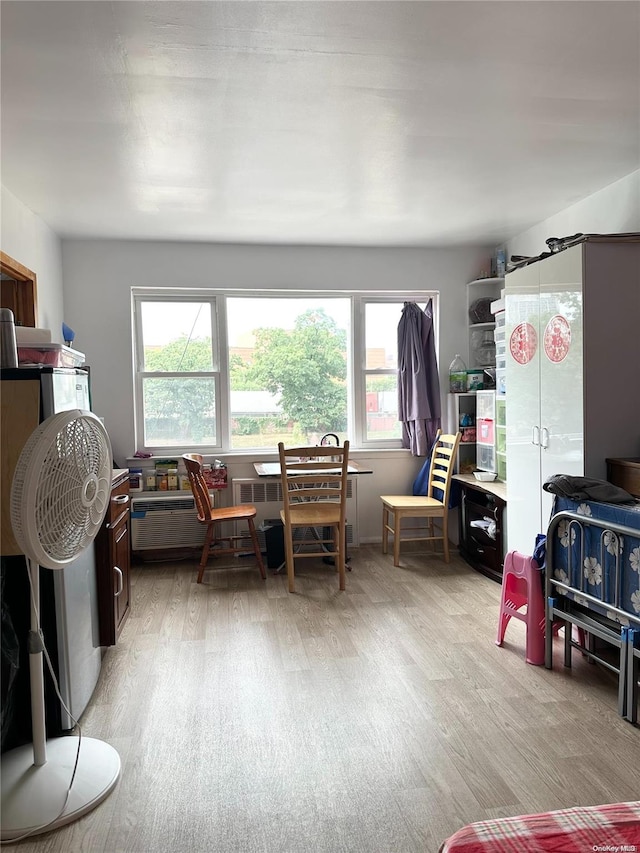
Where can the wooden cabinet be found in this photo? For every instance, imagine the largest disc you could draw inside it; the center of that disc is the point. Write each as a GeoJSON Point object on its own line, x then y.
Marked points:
{"type": "Point", "coordinates": [113, 562]}
{"type": "Point", "coordinates": [19, 416]}
{"type": "Point", "coordinates": [571, 364]}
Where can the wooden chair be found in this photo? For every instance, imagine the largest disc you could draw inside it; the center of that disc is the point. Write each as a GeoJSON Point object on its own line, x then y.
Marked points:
{"type": "Point", "coordinates": [430, 506]}
{"type": "Point", "coordinates": [211, 516]}
{"type": "Point", "coordinates": [314, 496]}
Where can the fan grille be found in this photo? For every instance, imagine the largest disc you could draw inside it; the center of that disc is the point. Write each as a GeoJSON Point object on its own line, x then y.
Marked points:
{"type": "Point", "coordinates": [61, 488]}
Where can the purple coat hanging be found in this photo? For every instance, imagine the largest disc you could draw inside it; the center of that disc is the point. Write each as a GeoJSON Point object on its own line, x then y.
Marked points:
{"type": "Point", "coordinates": [418, 380]}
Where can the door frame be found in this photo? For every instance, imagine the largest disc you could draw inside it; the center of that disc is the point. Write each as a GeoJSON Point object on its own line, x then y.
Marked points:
{"type": "Point", "coordinates": [23, 300]}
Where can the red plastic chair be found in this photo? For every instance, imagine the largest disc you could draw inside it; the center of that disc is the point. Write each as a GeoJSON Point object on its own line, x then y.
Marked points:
{"type": "Point", "coordinates": [521, 586]}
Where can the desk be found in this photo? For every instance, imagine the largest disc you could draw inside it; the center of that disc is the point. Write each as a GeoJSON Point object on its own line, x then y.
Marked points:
{"type": "Point", "coordinates": [480, 500]}
{"type": "Point", "coordinates": [272, 469]}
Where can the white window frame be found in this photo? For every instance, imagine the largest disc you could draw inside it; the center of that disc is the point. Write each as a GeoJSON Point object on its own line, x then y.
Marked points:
{"type": "Point", "coordinates": [357, 371]}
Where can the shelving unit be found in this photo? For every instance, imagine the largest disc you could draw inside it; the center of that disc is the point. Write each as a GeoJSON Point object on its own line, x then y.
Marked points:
{"type": "Point", "coordinates": [481, 347]}
{"type": "Point", "coordinates": [460, 405]}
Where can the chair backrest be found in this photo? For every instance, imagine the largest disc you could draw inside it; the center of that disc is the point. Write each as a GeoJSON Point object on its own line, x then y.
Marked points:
{"type": "Point", "coordinates": [193, 462]}
{"type": "Point", "coordinates": [314, 473]}
{"type": "Point", "coordinates": [443, 458]}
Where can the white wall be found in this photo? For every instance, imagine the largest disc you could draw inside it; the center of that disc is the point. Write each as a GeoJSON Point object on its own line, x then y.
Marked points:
{"type": "Point", "coordinates": [613, 210]}
{"type": "Point", "coordinates": [29, 240]}
{"type": "Point", "coordinates": [99, 275]}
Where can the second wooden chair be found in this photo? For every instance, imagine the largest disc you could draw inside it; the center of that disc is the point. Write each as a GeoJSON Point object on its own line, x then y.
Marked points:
{"type": "Point", "coordinates": [433, 505]}
{"type": "Point", "coordinates": [314, 496]}
{"type": "Point", "coordinates": [213, 517]}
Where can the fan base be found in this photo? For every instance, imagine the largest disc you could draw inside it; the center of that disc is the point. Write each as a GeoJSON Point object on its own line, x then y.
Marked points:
{"type": "Point", "coordinates": [32, 796]}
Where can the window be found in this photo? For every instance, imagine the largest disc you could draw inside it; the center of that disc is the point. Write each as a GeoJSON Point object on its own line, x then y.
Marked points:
{"type": "Point", "coordinates": [221, 371]}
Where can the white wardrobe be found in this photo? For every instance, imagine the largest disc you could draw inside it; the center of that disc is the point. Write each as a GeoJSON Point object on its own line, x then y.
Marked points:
{"type": "Point", "coordinates": [572, 372]}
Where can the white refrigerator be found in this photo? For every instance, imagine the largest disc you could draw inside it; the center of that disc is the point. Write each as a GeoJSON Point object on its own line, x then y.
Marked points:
{"type": "Point", "coordinates": [69, 605]}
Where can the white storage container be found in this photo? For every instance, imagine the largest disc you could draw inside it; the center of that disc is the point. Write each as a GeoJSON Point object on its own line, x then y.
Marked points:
{"type": "Point", "coordinates": [486, 458]}
{"type": "Point", "coordinates": [485, 405]}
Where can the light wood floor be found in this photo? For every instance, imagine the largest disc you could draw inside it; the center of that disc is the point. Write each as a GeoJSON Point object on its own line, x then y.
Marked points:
{"type": "Point", "coordinates": [377, 720]}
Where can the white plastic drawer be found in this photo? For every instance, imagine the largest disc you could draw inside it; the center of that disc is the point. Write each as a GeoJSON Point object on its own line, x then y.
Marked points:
{"type": "Point", "coordinates": [485, 402]}
{"type": "Point", "coordinates": [486, 458]}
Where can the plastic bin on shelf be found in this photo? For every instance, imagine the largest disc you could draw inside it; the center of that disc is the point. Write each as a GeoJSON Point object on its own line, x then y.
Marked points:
{"type": "Point", "coordinates": [502, 467]}
{"type": "Point", "coordinates": [485, 433]}
{"type": "Point", "coordinates": [501, 381]}
{"type": "Point", "coordinates": [485, 404]}
{"type": "Point", "coordinates": [486, 457]}
{"type": "Point", "coordinates": [501, 439]}
{"type": "Point", "coordinates": [53, 355]}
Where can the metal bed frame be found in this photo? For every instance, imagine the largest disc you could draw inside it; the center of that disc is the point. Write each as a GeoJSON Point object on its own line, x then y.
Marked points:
{"type": "Point", "coordinates": [619, 627]}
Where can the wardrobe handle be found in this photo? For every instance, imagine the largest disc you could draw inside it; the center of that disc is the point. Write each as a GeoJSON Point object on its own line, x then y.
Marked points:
{"type": "Point", "coordinates": [120, 581]}
{"type": "Point", "coordinates": [545, 438]}
{"type": "Point", "coordinates": [535, 435]}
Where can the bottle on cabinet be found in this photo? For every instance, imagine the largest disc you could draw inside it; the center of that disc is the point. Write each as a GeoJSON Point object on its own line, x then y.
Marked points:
{"type": "Point", "coordinates": [457, 375]}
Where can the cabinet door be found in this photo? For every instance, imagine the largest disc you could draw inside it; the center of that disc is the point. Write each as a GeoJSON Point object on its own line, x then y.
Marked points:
{"type": "Point", "coordinates": [122, 583]}
{"type": "Point", "coordinates": [561, 369]}
{"type": "Point", "coordinates": [522, 327]}
{"type": "Point", "coordinates": [112, 566]}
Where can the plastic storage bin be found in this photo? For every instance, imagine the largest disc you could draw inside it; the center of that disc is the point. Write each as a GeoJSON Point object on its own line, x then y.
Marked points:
{"type": "Point", "coordinates": [54, 355]}
{"type": "Point", "coordinates": [501, 381]}
{"type": "Point", "coordinates": [501, 439]}
{"type": "Point", "coordinates": [486, 458]}
{"type": "Point", "coordinates": [485, 433]}
{"type": "Point", "coordinates": [485, 401]}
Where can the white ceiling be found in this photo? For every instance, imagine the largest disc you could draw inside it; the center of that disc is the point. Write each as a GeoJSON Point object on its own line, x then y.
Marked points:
{"type": "Point", "coordinates": [362, 123]}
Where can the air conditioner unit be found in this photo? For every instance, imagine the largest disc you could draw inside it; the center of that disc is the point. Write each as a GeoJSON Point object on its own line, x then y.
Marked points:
{"type": "Point", "coordinates": [165, 521]}
{"type": "Point", "coordinates": [266, 495]}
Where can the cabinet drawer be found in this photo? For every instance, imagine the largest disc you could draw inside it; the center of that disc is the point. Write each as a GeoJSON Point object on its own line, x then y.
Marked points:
{"type": "Point", "coordinates": [485, 553]}
{"type": "Point", "coordinates": [118, 503]}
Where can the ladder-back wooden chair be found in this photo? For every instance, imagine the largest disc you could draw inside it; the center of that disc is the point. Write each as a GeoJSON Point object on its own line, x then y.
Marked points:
{"type": "Point", "coordinates": [433, 505]}
{"type": "Point", "coordinates": [314, 496]}
{"type": "Point", "coordinates": [213, 517]}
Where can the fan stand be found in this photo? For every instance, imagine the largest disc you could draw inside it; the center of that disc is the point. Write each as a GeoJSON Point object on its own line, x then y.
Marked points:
{"type": "Point", "coordinates": [36, 777]}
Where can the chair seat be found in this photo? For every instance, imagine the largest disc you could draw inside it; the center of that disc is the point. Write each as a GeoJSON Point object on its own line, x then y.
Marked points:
{"type": "Point", "coordinates": [314, 514]}
{"type": "Point", "coordinates": [232, 513]}
{"type": "Point", "coordinates": [411, 502]}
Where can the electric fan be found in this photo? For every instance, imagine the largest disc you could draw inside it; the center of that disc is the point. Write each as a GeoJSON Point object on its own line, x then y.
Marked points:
{"type": "Point", "coordinates": [60, 494]}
